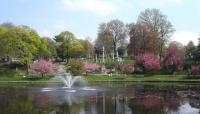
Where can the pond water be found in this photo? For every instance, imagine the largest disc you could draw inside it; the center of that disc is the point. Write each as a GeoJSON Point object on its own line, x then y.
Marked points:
{"type": "Point", "coordinates": [106, 98]}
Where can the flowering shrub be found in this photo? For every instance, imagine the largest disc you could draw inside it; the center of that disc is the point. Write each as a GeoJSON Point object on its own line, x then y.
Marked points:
{"type": "Point", "coordinates": [127, 68]}
{"type": "Point", "coordinates": [148, 61]}
{"type": "Point", "coordinates": [173, 59]}
{"type": "Point", "coordinates": [195, 70]}
{"type": "Point", "coordinates": [42, 67]}
{"type": "Point", "coordinates": [91, 67]}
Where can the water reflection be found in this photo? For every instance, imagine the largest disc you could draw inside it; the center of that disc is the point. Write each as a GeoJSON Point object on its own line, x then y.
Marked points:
{"type": "Point", "coordinates": [128, 99]}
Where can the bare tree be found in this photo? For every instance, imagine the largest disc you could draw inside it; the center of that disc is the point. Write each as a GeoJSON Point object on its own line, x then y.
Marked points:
{"type": "Point", "coordinates": [118, 32]}
{"type": "Point", "coordinates": [104, 39]}
{"type": "Point", "coordinates": [160, 24]}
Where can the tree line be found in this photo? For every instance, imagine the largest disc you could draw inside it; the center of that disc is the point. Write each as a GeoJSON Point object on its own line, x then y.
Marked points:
{"type": "Point", "coordinates": [151, 33]}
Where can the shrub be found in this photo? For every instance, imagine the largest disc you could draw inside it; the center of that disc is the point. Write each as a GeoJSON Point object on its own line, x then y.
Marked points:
{"type": "Point", "coordinates": [195, 70]}
{"type": "Point", "coordinates": [91, 67]}
{"type": "Point", "coordinates": [127, 68]}
{"type": "Point", "coordinates": [76, 67]}
{"type": "Point", "coordinates": [173, 59]}
{"type": "Point", "coordinates": [42, 67]}
{"type": "Point", "coordinates": [148, 61]}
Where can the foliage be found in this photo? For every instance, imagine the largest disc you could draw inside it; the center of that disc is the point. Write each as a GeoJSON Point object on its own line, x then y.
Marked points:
{"type": "Point", "coordinates": [17, 46]}
{"type": "Point", "coordinates": [173, 59]}
{"type": "Point", "coordinates": [88, 48]}
{"type": "Point", "coordinates": [127, 68]}
{"type": "Point", "coordinates": [22, 44]}
{"type": "Point", "coordinates": [197, 53]}
{"type": "Point", "coordinates": [42, 67]}
{"type": "Point", "coordinates": [190, 51]}
{"type": "Point", "coordinates": [195, 70]}
{"type": "Point", "coordinates": [76, 67]}
{"type": "Point", "coordinates": [148, 61]}
{"type": "Point", "coordinates": [69, 46]}
{"type": "Point", "coordinates": [91, 67]}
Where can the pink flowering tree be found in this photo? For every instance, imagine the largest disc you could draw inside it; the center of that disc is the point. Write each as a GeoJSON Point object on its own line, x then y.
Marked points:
{"type": "Point", "coordinates": [195, 70]}
{"type": "Point", "coordinates": [173, 59]}
{"type": "Point", "coordinates": [91, 67]}
{"type": "Point", "coordinates": [127, 68]}
{"type": "Point", "coordinates": [148, 61]}
{"type": "Point", "coordinates": [42, 67]}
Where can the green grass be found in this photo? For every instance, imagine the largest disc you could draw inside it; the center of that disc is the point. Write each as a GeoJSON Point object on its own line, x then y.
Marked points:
{"type": "Point", "coordinates": [140, 78]}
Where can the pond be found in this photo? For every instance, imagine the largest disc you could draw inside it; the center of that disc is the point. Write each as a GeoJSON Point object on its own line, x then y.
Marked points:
{"type": "Point", "coordinates": [108, 98]}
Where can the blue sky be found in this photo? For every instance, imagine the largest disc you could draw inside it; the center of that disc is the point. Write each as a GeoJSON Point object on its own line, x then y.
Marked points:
{"type": "Point", "coordinates": [82, 17]}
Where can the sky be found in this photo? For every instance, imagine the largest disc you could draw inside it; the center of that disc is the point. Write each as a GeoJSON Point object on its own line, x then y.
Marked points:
{"type": "Point", "coordinates": [82, 17]}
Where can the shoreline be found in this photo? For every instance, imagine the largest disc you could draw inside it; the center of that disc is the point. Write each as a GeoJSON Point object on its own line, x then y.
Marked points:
{"type": "Point", "coordinates": [150, 81]}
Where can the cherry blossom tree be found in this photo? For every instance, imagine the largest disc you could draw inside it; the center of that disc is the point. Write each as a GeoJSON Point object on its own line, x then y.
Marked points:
{"type": "Point", "coordinates": [42, 67]}
{"type": "Point", "coordinates": [148, 61]}
{"type": "Point", "coordinates": [173, 59]}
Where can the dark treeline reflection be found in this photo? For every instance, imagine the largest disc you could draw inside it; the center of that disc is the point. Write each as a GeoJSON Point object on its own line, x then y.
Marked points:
{"type": "Point", "coordinates": [125, 99]}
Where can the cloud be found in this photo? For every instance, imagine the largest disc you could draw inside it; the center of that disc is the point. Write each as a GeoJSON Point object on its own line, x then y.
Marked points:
{"type": "Point", "coordinates": [99, 7]}
{"type": "Point", "coordinates": [184, 37]}
{"type": "Point", "coordinates": [161, 3]}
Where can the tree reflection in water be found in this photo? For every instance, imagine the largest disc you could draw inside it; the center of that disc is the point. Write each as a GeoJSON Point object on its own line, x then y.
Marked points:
{"type": "Point", "coordinates": [125, 100]}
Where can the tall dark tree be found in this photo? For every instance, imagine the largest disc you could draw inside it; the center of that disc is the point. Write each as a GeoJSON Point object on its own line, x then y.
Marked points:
{"type": "Point", "coordinates": [190, 51]}
{"type": "Point", "coordinates": [142, 39]}
{"type": "Point", "coordinates": [197, 53]}
{"type": "Point", "coordinates": [160, 24]}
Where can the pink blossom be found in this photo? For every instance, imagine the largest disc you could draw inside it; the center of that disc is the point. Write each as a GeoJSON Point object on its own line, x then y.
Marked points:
{"type": "Point", "coordinates": [149, 61]}
{"type": "Point", "coordinates": [173, 56]}
{"type": "Point", "coordinates": [42, 67]}
{"type": "Point", "coordinates": [195, 70]}
{"type": "Point", "coordinates": [91, 67]}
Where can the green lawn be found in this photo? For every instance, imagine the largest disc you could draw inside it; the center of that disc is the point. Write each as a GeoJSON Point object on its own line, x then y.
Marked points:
{"type": "Point", "coordinates": [140, 78]}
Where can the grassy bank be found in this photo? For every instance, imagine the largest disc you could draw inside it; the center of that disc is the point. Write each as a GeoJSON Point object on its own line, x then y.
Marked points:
{"type": "Point", "coordinates": [153, 78]}
{"type": "Point", "coordinates": [19, 75]}
{"type": "Point", "coordinates": [138, 78]}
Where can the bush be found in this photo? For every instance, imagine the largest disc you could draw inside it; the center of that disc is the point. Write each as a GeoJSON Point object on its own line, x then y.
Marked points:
{"type": "Point", "coordinates": [91, 67]}
{"type": "Point", "coordinates": [76, 67]}
{"type": "Point", "coordinates": [195, 70]}
{"type": "Point", "coordinates": [42, 67]}
{"type": "Point", "coordinates": [148, 61]}
{"type": "Point", "coordinates": [127, 68]}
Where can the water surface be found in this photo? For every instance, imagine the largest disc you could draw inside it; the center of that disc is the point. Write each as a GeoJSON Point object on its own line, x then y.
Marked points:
{"type": "Point", "coordinates": [108, 98]}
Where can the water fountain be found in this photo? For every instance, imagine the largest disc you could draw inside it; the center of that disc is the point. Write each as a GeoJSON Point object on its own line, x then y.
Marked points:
{"type": "Point", "coordinates": [68, 80]}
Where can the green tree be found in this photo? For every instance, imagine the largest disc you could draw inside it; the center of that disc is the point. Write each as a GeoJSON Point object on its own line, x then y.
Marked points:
{"type": "Point", "coordinates": [69, 45]}
{"type": "Point", "coordinates": [51, 46]}
{"type": "Point", "coordinates": [88, 48]}
{"type": "Point", "coordinates": [16, 45]}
